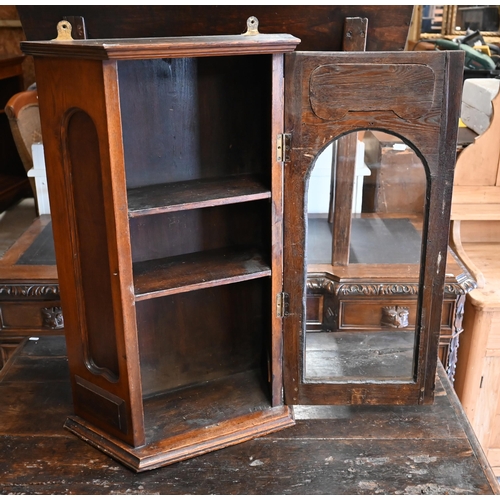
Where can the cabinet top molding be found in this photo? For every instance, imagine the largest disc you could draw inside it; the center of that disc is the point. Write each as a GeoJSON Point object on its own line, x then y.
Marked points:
{"type": "Point", "coordinates": [170, 47]}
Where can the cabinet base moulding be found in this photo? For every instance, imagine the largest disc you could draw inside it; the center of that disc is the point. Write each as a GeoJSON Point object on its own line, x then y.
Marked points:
{"type": "Point", "coordinates": [177, 448]}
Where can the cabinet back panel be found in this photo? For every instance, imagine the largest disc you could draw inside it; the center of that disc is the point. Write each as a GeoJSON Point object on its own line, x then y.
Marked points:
{"type": "Point", "coordinates": [203, 335]}
{"type": "Point", "coordinates": [189, 118]}
{"type": "Point", "coordinates": [189, 231]}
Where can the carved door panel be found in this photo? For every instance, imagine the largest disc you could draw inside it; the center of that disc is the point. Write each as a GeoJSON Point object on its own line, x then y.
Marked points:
{"type": "Point", "coordinates": [415, 97]}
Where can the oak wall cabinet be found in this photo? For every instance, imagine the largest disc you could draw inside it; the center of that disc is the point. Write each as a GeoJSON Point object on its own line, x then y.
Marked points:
{"type": "Point", "coordinates": [177, 170]}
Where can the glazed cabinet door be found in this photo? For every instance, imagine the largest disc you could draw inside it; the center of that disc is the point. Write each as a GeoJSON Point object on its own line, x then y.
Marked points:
{"type": "Point", "coordinates": [375, 346]}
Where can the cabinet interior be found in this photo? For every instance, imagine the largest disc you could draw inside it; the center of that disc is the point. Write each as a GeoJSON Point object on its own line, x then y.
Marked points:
{"type": "Point", "coordinates": [199, 188]}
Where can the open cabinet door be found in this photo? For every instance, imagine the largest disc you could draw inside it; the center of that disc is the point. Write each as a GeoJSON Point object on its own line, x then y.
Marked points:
{"type": "Point", "coordinates": [416, 98]}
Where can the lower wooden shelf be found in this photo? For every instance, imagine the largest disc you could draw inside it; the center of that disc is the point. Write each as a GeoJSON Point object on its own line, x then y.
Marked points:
{"type": "Point", "coordinates": [191, 421]}
{"type": "Point", "coordinates": [184, 273]}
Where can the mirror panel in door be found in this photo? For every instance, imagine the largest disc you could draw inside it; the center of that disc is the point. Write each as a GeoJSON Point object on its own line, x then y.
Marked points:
{"type": "Point", "coordinates": [353, 334]}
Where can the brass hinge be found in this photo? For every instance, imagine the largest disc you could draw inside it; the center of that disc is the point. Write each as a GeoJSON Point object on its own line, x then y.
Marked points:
{"type": "Point", "coordinates": [282, 304]}
{"type": "Point", "coordinates": [283, 147]}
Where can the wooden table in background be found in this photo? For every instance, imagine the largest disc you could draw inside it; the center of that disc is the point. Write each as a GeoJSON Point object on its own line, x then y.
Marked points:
{"type": "Point", "coordinates": [330, 450]}
{"type": "Point", "coordinates": [29, 289]}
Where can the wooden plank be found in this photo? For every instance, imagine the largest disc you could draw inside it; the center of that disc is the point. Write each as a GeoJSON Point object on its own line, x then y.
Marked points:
{"type": "Point", "coordinates": [476, 194]}
{"type": "Point", "coordinates": [261, 467]}
{"type": "Point", "coordinates": [277, 173]}
{"type": "Point", "coordinates": [493, 342]}
{"type": "Point", "coordinates": [474, 211]}
{"type": "Point", "coordinates": [318, 26]}
{"type": "Point", "coordinates": [344, 161]}
{"type": "Point", "coordinates": [195, 194]}
{"type": "Point", "coordinates": [485, 406]}
{"type": "Point", "coordinates": [344, 182]}
{"type": "Point", "coordinates": [480, 231]}
{"type": "Point", "coordinates": [196, 271]}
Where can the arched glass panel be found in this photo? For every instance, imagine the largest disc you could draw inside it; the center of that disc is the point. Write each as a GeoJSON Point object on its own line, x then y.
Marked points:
{"type": "Point", "coordinates": [365, 208]}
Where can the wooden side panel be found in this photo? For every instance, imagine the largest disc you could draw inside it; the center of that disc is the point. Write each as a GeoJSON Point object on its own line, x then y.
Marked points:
{"type": "Point", "coordinates": [494, 447]}
{"type": "Point", "coordinates": [477, 326]}
{"type": "Point", "coordinates": [84, 165]}
{"type": "Point", "coordinates": [277, 172]}
{"type": "Point", "coordinates": [79, 108]}
{"type": "Point", "coordinates": [485, 408]}
{"type": "Point", "coordinates": [493, 343]}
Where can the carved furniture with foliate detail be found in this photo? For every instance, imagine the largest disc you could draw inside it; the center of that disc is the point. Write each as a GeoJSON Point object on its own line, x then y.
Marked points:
{"type": "Point", "coordinates": [29, 288]}
{"type": "Point", "coordinates": [183, 282]}
{"type": "Point", "coordinates": [365, 303]}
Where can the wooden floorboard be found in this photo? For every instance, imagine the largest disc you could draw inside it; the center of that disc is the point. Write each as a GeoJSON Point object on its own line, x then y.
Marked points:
{"type": "Point", "coordinates": [330, 450]}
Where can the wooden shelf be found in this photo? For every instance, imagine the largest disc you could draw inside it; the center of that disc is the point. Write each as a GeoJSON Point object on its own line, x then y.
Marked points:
{"type": "Point", "coordinates": [180, 421]}
{"type": "Point", "coordinates": [195, 194]}
{"type": "Point", "coordinates": [202, 404]}
{"type": "Point", "coordinates": [184, 273]}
